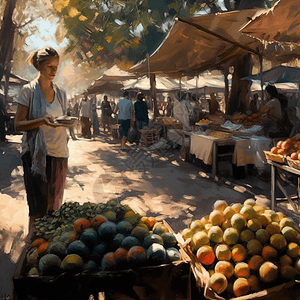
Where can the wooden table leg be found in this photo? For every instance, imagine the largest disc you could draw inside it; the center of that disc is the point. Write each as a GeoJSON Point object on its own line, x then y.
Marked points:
{"type": "Point", "coordinates": [214, 161]}
{"type": "Point", "coordinates": [273, 185]}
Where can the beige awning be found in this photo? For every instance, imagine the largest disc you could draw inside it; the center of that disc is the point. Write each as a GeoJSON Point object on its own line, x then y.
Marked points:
{"type": "Point", "coordinates": [190, 51]}
{"type": "Point", "coordinates": [281, 23]}
{"type": "Point", "coordinates": [209, 42]}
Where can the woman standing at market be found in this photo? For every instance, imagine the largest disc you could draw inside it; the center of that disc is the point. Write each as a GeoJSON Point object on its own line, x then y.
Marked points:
{"type": "Point", "coordinates": [274, 114]}
{"type": "Point", "coordinates": [44, 145]}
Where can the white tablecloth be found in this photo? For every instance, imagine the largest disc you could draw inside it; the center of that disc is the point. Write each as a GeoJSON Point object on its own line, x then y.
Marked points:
{"type": "Point", "coordinates": [251, 151]}
{"type": "Point", "coordinates": [202, 147]}
{"type": "Point", "coordinates": [246, 151]}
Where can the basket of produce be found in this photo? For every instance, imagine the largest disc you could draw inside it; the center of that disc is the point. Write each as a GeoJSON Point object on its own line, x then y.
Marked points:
{"type": "Point", "coordinates": [283, 148]}
{"type": "Point", "coordinates": [275, 157]}
{"type": "Point", "coordinates": [243, 250]}
{"type": "Point", "coordinates": [293, 161]}
{"type": "Point", "coordinates": [102, 240]}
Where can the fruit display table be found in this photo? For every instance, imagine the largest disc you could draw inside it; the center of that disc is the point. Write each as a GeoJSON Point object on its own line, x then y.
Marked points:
{"type": "Point", "coordinates": [275, 168]}
{"type": "Point", "coordinates": [81, 250]}
{"type": "Point", "coordinates": [247, 150]}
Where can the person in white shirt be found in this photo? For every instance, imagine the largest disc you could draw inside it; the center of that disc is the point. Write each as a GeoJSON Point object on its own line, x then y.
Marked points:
{"type": "Point", "coordinates": [124, 109]}
{"type": "Point", "coordinates": [86, 114]}
{"type": "Point", "coordinates": [45, 143]}
{"type": "Point", "coordinates": [274, 114]}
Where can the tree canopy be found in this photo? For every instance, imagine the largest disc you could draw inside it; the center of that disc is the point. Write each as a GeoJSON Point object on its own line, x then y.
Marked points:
{"type": "Point", "coordinates": [122, 32]}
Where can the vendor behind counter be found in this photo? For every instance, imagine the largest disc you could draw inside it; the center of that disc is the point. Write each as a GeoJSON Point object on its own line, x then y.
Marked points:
{"type": "Point", "coordinates": [273, 114]}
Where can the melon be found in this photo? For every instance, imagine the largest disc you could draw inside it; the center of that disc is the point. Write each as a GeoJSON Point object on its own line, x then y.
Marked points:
{"type": "Point", "coordinates": [124, 227]}
{"type": "Point", "coordinates": [68, 237]}
{"type": "Point", "coordinates": [151, 239]}
{"type": "Point", "coordinates": [97, 221]}
{"type": "Point", "coordinates": [58, 248]}
{"type": "Point", "coordinates": [140, 233]}
{"type": "Point", "coordinates": [107, 230]}
{"type": "Point", "coordinates": [72, 263]}
{"type": "Point", "coordinates": [117, 241]}
{"type": "Point", "coordinates": [107, 262]}
{"type": "Point", "coordinates": [156, 253]}
{"type": "Point", "coordinates": [79, 248]}
{"type": "Point", "coordinates": [120, 258]}
{"type": "Point", "coordinates": [172, 254]}
{"type": "Point", "coordinates": [159, 229]}
{"type": "Point", "coordinates": [137, 256]}
{"type": "Point", "coordinates": [99, 251]}
{"type": "Point", "coordinates": [89, 237]}
{"type": "Point", "coordinates": [110, 216]}
{"type": "Point", "coordinates": [129, 242]}
{"type": "Point", "coordinates": [90, 266]}
{"type": "Point", "coordinates": [49, 264]}
{"type": "Point", "coordinates": [169, 239]}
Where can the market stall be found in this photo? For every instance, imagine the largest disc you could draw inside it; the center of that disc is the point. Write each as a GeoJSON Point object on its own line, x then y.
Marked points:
{"type": "Point", "coordinates": [79, 251]}
{"type": "Point", "coordinates": [247, 149]}
{"type": "Point", "coordinates": [76, 254]}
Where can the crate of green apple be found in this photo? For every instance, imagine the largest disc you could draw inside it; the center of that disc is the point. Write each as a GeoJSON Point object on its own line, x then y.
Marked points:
{"type": "Point", "coordinates": [94, 237]}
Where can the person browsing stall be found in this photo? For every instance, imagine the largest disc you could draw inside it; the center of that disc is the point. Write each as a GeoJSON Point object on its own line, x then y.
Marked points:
{"type": "Point", "coordinates": [106, 113]}
{"type": "Point", "coordinates": [141, 111]}
{"type": "Point", "coordinates": [124, 109]}
{"type": "Point", "coordinates": [86, 115]}
{"type": "Point", "coordinates": [45, 144]}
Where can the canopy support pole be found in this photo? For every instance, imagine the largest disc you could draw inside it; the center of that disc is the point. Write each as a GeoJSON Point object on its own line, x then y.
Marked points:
{"type": "Point", "coordinates": [153, 95]}
{"type": "Point", "coordinates": [226, 92]}
{"type": "Point", "coordinates": [197, 77]}
{"type": "Point", "coordinates": [261, 78]}
{"type": "Point", "coordinates": [180, 88]}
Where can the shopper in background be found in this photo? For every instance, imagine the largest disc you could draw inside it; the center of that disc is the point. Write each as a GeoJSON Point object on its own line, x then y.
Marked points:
{"type": "Point", "coordinates": [169, 108]}
{"type": "Point", "coordinates": [124, 109]}
{"type": "Point", "coordinates": [106, 113]}
{"type": "Point", "coordinates": [86, 114]}
{"type": "Point", "coordinates": [141, 111]}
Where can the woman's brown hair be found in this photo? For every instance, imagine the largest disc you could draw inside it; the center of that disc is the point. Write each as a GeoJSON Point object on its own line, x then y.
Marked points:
{"type": "Point", "coordinates": [38, 57]}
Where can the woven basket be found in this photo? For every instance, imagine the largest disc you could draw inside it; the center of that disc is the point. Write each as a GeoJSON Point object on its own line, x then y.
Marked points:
{"type": "Point", "coordinates": [274, 157]}
{"type": "Point", "coordinates": [294, 163]}
{"type": "Point", "coordinates": [150, 136]}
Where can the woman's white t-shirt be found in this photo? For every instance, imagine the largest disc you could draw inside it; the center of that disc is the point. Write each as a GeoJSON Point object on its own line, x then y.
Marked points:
{"type": "Point", "coordinates": [56, 138]}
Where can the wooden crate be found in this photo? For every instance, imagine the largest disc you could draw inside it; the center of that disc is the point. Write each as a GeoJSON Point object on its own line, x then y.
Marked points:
{"type": "Point", "coordinates": [170, 281]}
{"type": "Point", "coordinates": [167, 281]}
{"type": "Point", "coordinates": [150, 136]}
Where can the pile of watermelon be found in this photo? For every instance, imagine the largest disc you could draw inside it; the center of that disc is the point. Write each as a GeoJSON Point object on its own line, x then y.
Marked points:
{"type": "Point", "coordinates": [98, 237]}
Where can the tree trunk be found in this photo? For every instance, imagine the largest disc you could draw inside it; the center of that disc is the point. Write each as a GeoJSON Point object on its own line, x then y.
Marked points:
{"type": "Point", "coordinates": [240, 88]}
{"type": "Point", "coordinates": [6, 38]}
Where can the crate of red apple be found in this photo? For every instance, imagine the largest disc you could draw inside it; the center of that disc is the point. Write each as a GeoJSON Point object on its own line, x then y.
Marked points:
{"type": "Point", "coordinates": [288, 149]}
